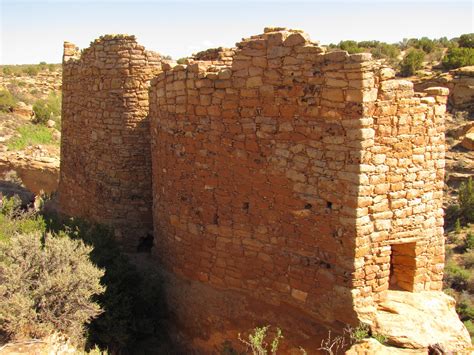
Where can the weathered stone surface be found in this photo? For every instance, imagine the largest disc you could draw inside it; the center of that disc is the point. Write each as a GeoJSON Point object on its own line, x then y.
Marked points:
{"type": "Point", "coordinates": [23, 109]}
{"type": "Point", "coordinates": [421, 320]}
{"type": "Point", "coordinates": [105, 143]}
{"type": "Point", "coordinates": [468, 140]}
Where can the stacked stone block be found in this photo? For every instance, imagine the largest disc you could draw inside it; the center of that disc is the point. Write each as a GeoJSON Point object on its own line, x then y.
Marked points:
{"type": "Point", "coordinates": [105, 146]}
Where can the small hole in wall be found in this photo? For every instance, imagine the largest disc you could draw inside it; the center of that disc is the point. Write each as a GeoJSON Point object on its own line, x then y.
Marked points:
{"type": "Point", "coordinates": [308, 206]}
{"type": "Point", "coordinates": [329, 205]}
{"type": "Point", "coordinates": [216, 218]}
{"type": "Point", "coordinates": [246, 206]}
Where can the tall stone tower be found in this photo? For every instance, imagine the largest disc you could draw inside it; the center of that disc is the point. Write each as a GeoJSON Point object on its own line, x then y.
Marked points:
{"type": "Point", "coordinates": [105, 145]}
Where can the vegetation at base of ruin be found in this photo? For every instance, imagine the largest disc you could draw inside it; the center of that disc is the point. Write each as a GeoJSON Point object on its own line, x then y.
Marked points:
{"type": "Point", "coordinates": [359, 333]}
{"type": "Point", "coordinates": [7, 100]}
{"type": "Point", "coordinates": [30, 134]}
{"type": "Point", "coordinates": [258, 344]}
{"type": "Point", "coordinates": [133, 311]}
{"type": "Point", "coordinates": [133, 303]}
{"type": "Point", "coordinates": [412, 62]}
{"type": "Point", "coordinates": [46, 280]}
{"type": "Point", "coordinates": [48, 109]}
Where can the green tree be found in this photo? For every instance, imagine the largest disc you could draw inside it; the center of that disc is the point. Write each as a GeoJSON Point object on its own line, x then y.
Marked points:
{"type": "Point", "coordinates": [350, 46]}
{"type": "Point", "coordinates": [412, 62]}
{"type": "Point", "coordinates": [466, 40]}
{"type": "Point", "coordinates": [458, 57]}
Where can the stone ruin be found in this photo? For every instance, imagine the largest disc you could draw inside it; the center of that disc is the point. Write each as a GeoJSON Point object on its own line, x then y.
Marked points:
{"type": "Point", "coordinates": [281, 184]}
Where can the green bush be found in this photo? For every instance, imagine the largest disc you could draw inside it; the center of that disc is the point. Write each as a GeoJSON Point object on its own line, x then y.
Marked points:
{"type": "Point", "coordinates": [466, 201]}
{"type": "Point", "coordinates": [32, 70]}
{"type": "Point", "coordinates": [425, 44]}
{"type": "Point", "coordinates": [133, 302]}
{"type": "Point", "coordinates": [456, 277]}
{"type": "Point", "coordinates": [7, 100]}
{"type": "Point", "coordinates": [47, 109]}
{"type": "Point", "coordinates": [412, 62]}
{"type": "Point", "coordinates": [46, 287]}
{"type": "Point", "coordinates": [385, 50]}
{"type": "Point", "coordinates": [46, 281]}
{"type": "Point", "coordinates": [469, 242]}
{"type": "Point", "coordinates": [15, 221]}
{"type": "Point", "coordinates": [465, 308]}
{"type": "Point", "coordinates": [257, 342]}
{"type": "Point", "coordinates": [466, 40]}
{"type": "Point", "coordinates": [458, 57]}
{"type": "Point", "coordinates": [30, 135]}
{"type": "Point", "coordinates": [468, 259]}
{"type": "Point", "coordinates": [470, 328]}
{"type": "Point", "coordinates": [350, 46]}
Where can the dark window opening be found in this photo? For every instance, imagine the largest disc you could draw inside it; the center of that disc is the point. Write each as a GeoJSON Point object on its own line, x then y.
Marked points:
{"type": "Point", "coordinates": [402, 267]}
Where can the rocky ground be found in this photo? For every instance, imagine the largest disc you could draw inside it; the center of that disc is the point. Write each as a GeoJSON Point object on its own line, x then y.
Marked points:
{"type": "Point", "coordinates": [36, 165]}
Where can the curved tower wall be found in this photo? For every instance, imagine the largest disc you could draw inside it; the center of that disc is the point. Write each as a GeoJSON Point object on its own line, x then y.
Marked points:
{"type": "Point", "coordinates": [105, 145]}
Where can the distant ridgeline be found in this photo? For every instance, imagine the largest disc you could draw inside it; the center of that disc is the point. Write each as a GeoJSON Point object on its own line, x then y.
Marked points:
{"type": "Point", "coordinates": [280, 184]}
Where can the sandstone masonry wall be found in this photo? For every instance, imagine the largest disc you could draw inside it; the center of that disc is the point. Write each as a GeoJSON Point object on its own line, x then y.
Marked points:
{"type": "Point", "coordinates": [400, 242]}
{"type": "Point", "coordinates": [290, 186]}
{"type": "Point", "coordinates": [105, 144]}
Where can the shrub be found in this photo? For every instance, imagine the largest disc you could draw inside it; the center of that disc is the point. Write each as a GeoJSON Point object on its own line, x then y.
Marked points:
{"type": "Point", "coordinates": [257, 344]}
{"type": "Point", "coordinates": [465, 308]}
{"type": "Point", "coordinates": [7, 100]}
{"type": "Point", "coordinates": [457, 226]}
{"type": "Point", "coordinates": [466, 201]}
{"type": "Point", "coordinates": [47, 109]}
{"type": "Point", "coordinates": [46, 286]}
{"type": "Point", "coordinates": [468, 260]}
{"type": "Point", "coordinates": [456, 277]}
{"type": "Point", "coordinates": [350, 46]}
{"type": "Point", "coordinates": [7, 71]}
{"type": "Point", "coordinates": [382, 339]}
{"type": "Point", "coordinates": [469, 242]}
{"type": "Point", "coordinates": [385, 50]}
{"type": "Point", "coordinates": [412, 62]}
{"type": "Point", "coordinates": [30, 135]}
{"type": "Point", "coordinates": [182, 60]}
{"type": "Point", "coordinates": [359, 333]}
{"type": "Point", "coordinates": [458, 57]}
{"type": "Point", "coordinates": [425, 44]}
{"type": "Point", "coordinates": [470, 328]}
{"type": "Point", "coordinates": [133, 303]}
{"type": "Point", "coordinates": [32, 70]}
{"type": "Point", "coordinates": [466, 40]}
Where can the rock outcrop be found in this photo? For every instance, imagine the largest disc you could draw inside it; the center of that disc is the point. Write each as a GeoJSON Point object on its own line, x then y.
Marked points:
{"type": "Point", "coordinates": [420, 321]}
{"type": "Point", "coordinates": [468, 140]}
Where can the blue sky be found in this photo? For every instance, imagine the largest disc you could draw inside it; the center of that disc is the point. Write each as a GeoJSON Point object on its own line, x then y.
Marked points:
{"type": "Point", "coordinates": [33, 31]}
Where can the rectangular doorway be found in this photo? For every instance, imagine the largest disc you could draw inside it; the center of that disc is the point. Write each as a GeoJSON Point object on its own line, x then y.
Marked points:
{"type": "Point", "coordinates": [402, 266]}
